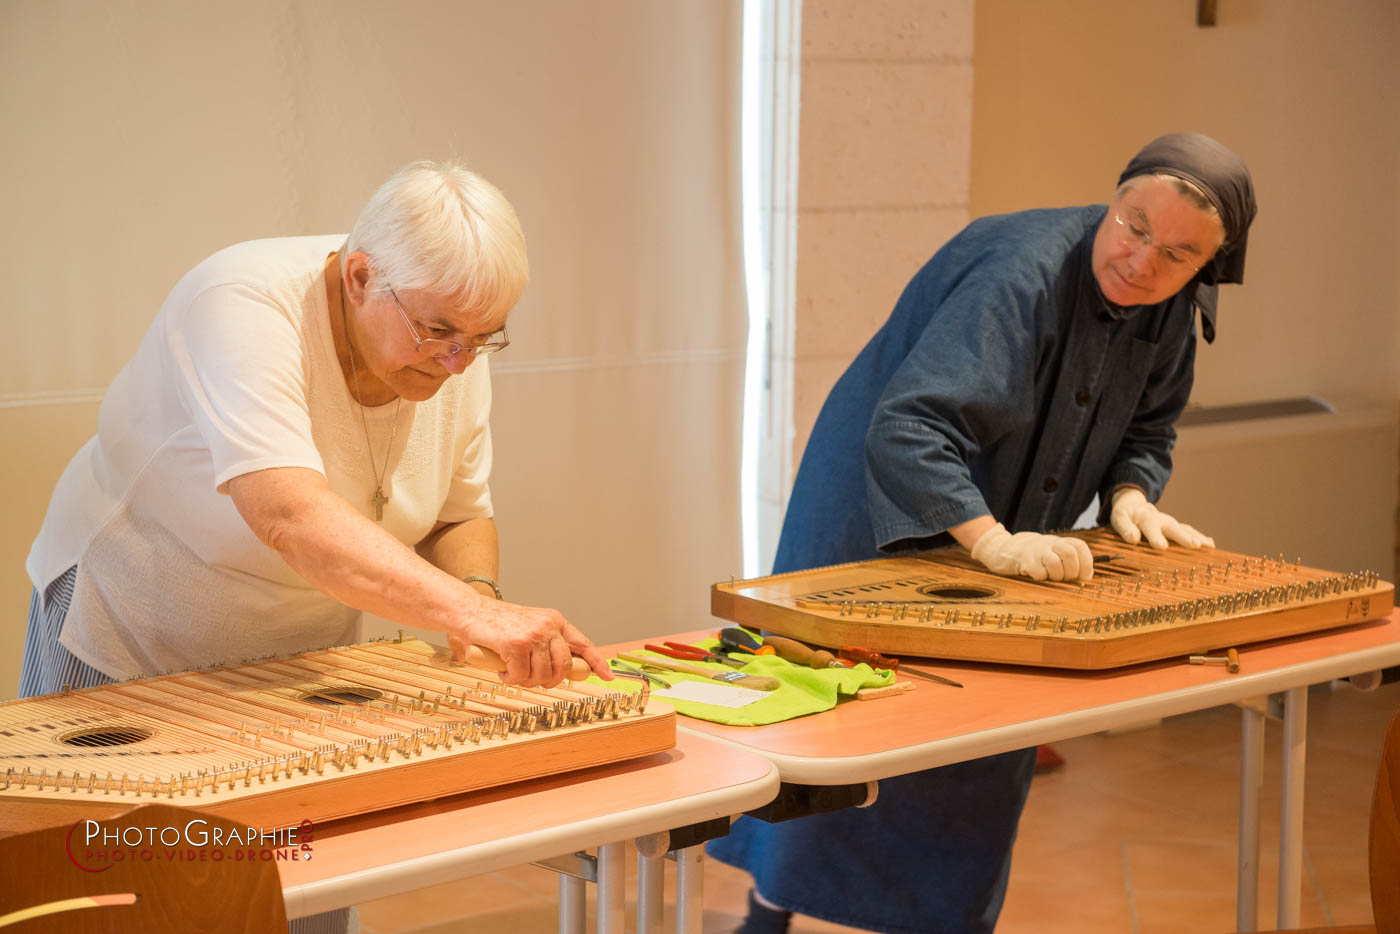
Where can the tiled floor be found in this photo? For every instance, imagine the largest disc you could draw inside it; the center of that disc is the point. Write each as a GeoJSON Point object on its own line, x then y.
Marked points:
{"type": "Point", "coordinates": [1136, 835]}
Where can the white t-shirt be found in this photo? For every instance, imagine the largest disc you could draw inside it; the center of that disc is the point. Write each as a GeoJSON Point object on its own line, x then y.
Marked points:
{"type": "Point", "coordinates": [238, 373]}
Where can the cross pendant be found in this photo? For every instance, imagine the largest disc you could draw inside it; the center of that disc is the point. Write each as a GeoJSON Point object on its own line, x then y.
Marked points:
{"type": "Point", "coordinates": [377, 501]}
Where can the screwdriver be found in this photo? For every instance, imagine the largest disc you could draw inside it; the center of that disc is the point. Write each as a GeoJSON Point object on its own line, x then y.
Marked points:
{"type": "Point", "coordinates": [876, 660]}
{"type": "Point", "coordinates": [734, 639]}
{"type": "Point", "coordinates": [799, 654]}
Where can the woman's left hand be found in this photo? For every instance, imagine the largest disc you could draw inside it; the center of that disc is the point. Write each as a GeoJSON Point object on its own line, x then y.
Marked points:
{"type": "Point", "coordinates": [1134, 519]}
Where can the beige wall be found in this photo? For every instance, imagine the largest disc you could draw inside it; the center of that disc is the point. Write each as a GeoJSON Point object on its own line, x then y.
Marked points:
{"type": "Point", "coordinates": [1066, 91]}
{"type": "Point", "coordinates": [1307, 92]}
{"type": "Point", "coordinates": [143, 135]}
{"type": "Point", "coordinates": [41, 439]}
{"type": "Point", "coordinates": [883, 177]}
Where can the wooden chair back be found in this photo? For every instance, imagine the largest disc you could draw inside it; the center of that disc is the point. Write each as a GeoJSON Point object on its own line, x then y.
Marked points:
{"type": "Point", "coordinates": [1385, 835]}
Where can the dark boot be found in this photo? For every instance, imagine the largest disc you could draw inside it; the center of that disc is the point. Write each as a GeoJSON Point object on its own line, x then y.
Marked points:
{"type": "Point", "coordinates": [763, 920]}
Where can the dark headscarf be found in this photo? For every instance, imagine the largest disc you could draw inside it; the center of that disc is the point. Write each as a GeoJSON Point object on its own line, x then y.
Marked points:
{"type": "Point", "coordinates": [1224, 179]}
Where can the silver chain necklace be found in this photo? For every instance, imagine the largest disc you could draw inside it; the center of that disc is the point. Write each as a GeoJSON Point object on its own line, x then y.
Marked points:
{"type": "Point", "coordinates": [378, 500]}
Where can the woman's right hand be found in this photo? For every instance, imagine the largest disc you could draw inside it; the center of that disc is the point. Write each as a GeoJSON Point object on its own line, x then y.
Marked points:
{"type": "Point", "coordinates": [1034, 555]}
{"type": "Point", "coordinates": [537, 644]}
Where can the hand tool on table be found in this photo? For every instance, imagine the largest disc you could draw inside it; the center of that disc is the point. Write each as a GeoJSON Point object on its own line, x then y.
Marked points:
{"type": "Point", "coordinates": [1231, 660]}
{"type": "Point", "coordinates": [801, 654]}
{"type": "Point", "coordinates": [734, 639]}
{"type": "Point", "coordinates": [894, 687]}
{"type": "Point", "coordinates": [854, 653]}
{"type": "Point", "coordinates": [627, 671]}
{"type": "Point", "coordinates": [738, 678]}
{"type": "Point", "coordinates": [692, 653]}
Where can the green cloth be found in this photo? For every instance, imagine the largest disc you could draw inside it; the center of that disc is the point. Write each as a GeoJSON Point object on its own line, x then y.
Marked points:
{"type": "Point", "coordinates": [804, 690]}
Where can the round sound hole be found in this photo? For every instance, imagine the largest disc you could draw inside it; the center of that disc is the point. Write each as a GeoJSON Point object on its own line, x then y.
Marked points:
{"type": "Point", "coordinates": [957, 591]}
{"type": "Point", "coordinates": [343, 695]}
{"type": "Point", "coordinates": [106, 736]}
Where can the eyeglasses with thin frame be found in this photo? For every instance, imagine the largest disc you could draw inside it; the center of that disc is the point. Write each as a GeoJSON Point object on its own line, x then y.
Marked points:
{"type": "Point", "coordinates": [440, 347]}
{"type": "Point", "coordinates": [1130, 233]}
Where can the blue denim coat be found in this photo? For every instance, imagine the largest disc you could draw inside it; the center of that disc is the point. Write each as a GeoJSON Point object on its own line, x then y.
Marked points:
{"type": "Point", "coordinates": [1002, 383]}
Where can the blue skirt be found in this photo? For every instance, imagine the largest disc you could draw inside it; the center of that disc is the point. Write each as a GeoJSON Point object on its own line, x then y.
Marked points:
{"type": "Point", "coordinates": [931, 856]}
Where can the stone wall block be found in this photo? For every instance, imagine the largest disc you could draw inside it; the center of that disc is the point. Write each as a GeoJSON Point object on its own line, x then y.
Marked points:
{"type": "Point", "coordinates": [852, 267]}
{"type": "Point", "coordinates": [883, 135]}
{"type": "Point", "coordinates": [887, 29]}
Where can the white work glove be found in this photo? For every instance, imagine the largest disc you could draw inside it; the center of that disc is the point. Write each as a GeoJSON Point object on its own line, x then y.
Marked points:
{"type": "Point", "coordinates": [1134, 519]}
{"type": "Point", "coordinates": [1033, 555]}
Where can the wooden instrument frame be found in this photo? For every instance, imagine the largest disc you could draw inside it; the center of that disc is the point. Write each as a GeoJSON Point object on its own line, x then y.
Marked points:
{"type": "Point", "coordinates": [428, 728]}
{"type": "Point", "coordinates": [972, 614]}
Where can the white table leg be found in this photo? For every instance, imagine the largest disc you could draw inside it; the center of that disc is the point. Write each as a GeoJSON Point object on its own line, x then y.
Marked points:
{"type": "Point", "coordinates": [690, 889]}
{"type": "Point", "coordinates": [1251, 782]}
{"type": "Point", "coordinates": [1290, 844]}
{"type": "Point", "coordinates": [612, 888]}
{"type": "Point", "coordinates": [573, 904]}
{"type": "Point", "coordinates": [651, 892]}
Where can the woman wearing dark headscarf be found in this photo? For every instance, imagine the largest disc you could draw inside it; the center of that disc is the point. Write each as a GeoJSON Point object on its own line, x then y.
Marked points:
{"type": "Point", "coordinates": [1038, 360]}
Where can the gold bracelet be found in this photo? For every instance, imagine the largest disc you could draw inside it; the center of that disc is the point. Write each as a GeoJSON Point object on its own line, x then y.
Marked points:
{"type": "Point", "coordinates": [477, 579]}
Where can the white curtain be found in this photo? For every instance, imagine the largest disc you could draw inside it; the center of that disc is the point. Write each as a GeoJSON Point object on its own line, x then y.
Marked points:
{"type": "Point", "coordinates": [140, 136]}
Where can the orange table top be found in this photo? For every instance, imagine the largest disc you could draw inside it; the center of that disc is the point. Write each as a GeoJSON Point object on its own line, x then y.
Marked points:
{"type": "Point", "coordinates": [1004, 707]}
{"type": "Point", "coordinates": [406, 848]}
{"type": "Point", "coordinates": [717, 770]}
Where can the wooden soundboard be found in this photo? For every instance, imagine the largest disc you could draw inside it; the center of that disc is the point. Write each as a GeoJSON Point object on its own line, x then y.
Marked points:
{"type": "Point", "coordinates": [1142, 604]}
{"type": "Point", "coordinates": [316, 736]}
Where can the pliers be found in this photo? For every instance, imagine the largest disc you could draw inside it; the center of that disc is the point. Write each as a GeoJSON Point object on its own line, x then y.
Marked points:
{"type": "Point", "coordinates": [692, 653]}
{"type": "Point", "coordinates": [640, 674]}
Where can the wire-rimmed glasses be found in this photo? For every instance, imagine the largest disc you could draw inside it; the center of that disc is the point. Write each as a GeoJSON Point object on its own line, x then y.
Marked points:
{"type": "Point", "coordinates": [441, 347]}
{"type": "Point", "coordinates": [1131, 233]}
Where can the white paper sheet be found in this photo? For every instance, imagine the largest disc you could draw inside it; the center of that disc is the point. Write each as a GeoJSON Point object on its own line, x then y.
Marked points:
{"type": "Point", "coordinates": [711, 692]}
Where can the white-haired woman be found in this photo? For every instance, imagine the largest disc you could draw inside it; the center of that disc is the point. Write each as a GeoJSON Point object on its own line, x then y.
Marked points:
{"type": "Point", "coordinates": [301, 436]}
